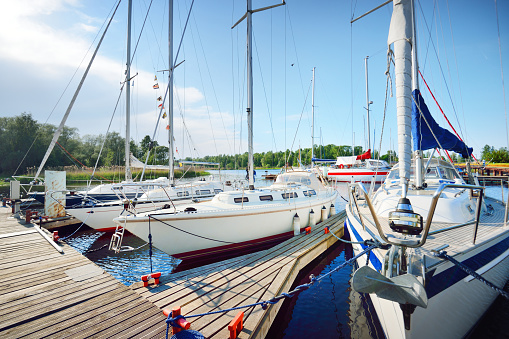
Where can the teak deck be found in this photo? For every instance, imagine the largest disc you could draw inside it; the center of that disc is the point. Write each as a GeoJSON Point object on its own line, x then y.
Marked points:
{"type": "Point", "coordinates": [241, 281]}
{"type": "Point", "coordinates": [44, 293]}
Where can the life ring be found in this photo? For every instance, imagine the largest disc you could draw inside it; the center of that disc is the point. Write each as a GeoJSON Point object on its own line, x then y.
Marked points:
{"type": "Point", "coordinates": [341, 166]}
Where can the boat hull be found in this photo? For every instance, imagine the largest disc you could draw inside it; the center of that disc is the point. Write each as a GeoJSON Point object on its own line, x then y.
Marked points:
{"type": "Point", "coordinates": [456, 301]}
{"type": "Point", "coordinates": [196, 236]}
{"type": "Point", "coordinates": [356, 175]}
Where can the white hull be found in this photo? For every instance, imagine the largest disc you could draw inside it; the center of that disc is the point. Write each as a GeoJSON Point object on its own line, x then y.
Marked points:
{"type": "Point", "coordinates": [186, 234]}
{"type": "Point", "coordinates": [100, 216]}
{"type": "Point", "coordinates": [356, 175]}
{"type": "Point", "coordinates": [453, 311]}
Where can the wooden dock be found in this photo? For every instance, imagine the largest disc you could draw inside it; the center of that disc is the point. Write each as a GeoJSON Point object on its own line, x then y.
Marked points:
{"type": "Point", "coordinates": [45, 293]}
{"type": "Point", "coordinates": [241, 281]}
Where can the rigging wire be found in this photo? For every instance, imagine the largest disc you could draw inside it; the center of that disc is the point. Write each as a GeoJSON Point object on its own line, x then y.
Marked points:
{"type": "Point", "coordinates": [300, 119]}
{"type": "Point", "coordinates": [502, 74]}
{"type": "Point", "coordinates": [265, 93]}
{"type": "Point", "coordinates": [212, 84]}
{"type": "Point", "coordinates": [441, 71]}
{"type": "Point", "coordinates": [67, 86]}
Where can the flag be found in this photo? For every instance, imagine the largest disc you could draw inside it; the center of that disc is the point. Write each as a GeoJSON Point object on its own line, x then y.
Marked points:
{"type": "Point", "coordinates": [168, 127]}
{"type": "Point", "coordinates": [161, 106]}
{"type": "Point", "coordinates": [133, 83]}
{"type": "Point", "coordinates": [160, 99]}
{"type": "Point", "coordinates": [164, 115]}
{"type": "Point", "coordinates": [176, 150]}
{"type": "Point", "coordinates": [155, 77]}
{"type": "Point", "coordinates": [156, 86]}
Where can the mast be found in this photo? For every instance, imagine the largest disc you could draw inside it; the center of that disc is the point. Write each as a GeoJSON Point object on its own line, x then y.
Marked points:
{"type": "Point", "coordinates": [249, 109]}
{"type": "Point", "coordinates": [171, 163]}
{"type": "Point", "coordinates": [367, 101]}
{"type": "Point", "coordinates": [313, 118]}
{"type": "Point", "coordinates": [128, 175]}
{"type": "Point", "coordinates": [400, 34]}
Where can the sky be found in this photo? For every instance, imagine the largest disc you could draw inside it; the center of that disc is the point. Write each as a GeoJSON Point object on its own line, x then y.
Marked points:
{"type": "Point", "coordinates": [45, 46]}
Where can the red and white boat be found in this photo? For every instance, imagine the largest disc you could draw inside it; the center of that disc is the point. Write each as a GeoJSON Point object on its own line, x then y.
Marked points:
{"type": "Point", "coordinates": [360, 168]}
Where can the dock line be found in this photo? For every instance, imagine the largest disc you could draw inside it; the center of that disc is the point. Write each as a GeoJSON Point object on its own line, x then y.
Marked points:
{"type": "Point", "coordinates": [174, 321]}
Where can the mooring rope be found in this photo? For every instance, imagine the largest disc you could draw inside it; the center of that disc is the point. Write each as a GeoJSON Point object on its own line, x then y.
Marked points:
{"type": "Point", "coordinates": [471, 272]}
{"type": "Point", "coordinates": [266, 303]}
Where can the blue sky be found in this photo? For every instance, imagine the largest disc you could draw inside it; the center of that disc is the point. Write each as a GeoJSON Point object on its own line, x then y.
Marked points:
{"type": "Point", "coordinates": [44, 42]}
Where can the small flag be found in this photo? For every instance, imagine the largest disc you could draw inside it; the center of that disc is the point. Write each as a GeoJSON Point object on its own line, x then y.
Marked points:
{"type": "Point", "coordinates": [176, 150]}
{"type": "Point", "coordinates": [168, 127]}
{"type": "Point", "coordinates": [155, 77]}
{"type": "Point", "coordinates": [161, 106]}
{"type": "Point", "coordinates": [160, 99]}
{"type": "Point", "coordinates": [133, 84]}
{"type": "Point", "coordinates": [156, 86]}
{"type": "Point", "coordinates": [164, 115]}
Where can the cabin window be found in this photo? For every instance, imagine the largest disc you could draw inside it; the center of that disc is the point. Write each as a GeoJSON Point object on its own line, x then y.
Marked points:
{"type": "Point", "coordinates": [201, 192]}
{"type": "Point", "coordinates": [239, 200]}
{"type": "Point", "coordinates": [266, 198]}
{"type": "Point", "coordinates": [289, 195]}
{"type": "Point", "coordinates": [183, 194]}
{"type": "Point", "coordinates": [217, 190]}
{"type": "Point", "coordinates": [309, 193]}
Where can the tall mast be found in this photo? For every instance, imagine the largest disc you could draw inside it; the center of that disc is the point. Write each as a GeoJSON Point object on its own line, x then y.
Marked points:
{"type": "Point", "coordinates": [367, 101]}
{"type": "Point", "coordinates": [171, 163]}
{"type": "Point", "coordinates": [128, 175]}
{"type": "Point", "coordinates": [313, 118]}
{"type": "Point", "coordinates": [249, 108]}
{"type": "Point", "coordinates": [400, 35]}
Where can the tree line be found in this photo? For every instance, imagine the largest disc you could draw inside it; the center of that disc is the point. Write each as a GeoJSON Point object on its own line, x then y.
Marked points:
{"type": "Point", "coordinates": [24, 142]}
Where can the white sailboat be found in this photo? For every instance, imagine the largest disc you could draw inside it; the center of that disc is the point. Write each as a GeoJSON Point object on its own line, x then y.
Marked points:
{"type": "Point", "coordinates": [145, 195]}
{"type": "Point", "coordinates": [427, 226]}
{"type": "Point", "coordinates": [236, 221]}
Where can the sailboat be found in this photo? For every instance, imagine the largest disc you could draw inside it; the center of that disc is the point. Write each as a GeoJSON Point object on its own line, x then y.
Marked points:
{"type": "Point", "coordinates": [237, 221]}
{"type": "Point", "coordinates": [146, 195]}
{"type": "Point", "coordinates": [437, 248]}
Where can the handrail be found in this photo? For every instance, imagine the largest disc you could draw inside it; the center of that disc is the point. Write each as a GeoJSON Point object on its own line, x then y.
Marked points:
{"type": "Point", "coordinates": [431, 211]}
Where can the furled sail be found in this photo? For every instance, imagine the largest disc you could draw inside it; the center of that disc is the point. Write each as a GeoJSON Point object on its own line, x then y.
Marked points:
{"type": "Point", "coordinates": [425, 138]}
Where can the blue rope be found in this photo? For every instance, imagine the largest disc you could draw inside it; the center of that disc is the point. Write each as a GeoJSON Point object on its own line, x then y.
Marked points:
{"type": "Point", "coordinates": [471, 272]}
{"type": "Point", "coordinates": [266, 303]}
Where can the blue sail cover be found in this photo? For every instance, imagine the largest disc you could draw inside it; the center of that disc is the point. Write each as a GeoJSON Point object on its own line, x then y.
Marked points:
{"type": "Point", "coordinates": [423, 138]}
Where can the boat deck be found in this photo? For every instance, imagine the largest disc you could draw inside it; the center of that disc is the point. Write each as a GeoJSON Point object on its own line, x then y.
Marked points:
{"type": "Point", "coordinates": [241, 281]}
{"type": "Point", "coordinates": [459, 239]}
{"type": "Point", "coordinates": [45, 293]}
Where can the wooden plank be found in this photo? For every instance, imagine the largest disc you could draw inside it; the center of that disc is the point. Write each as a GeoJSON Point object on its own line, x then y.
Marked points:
{"type": "Point", "coordinates": [288, 247]}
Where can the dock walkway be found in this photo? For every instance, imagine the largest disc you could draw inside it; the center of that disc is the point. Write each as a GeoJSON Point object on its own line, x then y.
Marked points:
{"type": "Point", "coordinates": [241, 281]}
{"type": "Point", "coordinates": [45, 293]}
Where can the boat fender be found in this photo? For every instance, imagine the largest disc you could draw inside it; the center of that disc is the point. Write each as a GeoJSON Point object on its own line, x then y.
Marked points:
{"type": "Point", "coordinates": [332, 209]}
{"type": "Point", "coordinates": [296, 225]}
{"type": "Point", "coordinates": [323, 214]}
{"type": "Point", "coordinates": [236, 325]}
{"type": "Point", "coordinates": [312, 220]}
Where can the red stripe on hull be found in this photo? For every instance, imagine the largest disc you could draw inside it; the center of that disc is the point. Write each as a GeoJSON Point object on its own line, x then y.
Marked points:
{"type": "Point", "coordinates": [358, 173]}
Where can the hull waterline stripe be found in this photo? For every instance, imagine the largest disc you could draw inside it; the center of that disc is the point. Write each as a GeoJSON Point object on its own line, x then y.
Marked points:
{"type": "Point", "coordinates": [373, 259]}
